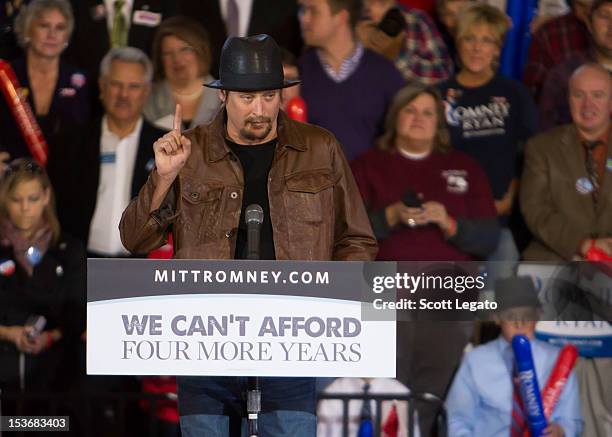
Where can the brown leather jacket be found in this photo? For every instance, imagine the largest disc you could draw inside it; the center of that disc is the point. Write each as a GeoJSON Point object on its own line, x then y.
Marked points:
{"type": "Point", "coordinates": [315, 207]}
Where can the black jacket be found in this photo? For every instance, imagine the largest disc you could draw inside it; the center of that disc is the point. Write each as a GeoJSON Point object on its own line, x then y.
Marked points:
{"type": "Point", "coordinates": [76, 178]}
{"type": "Point", "coordinates": [56, 290]}
{"type": "Point", "coordinates": [69, 109]}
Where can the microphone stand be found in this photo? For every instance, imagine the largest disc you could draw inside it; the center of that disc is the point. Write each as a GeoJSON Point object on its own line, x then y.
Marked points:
{"type": "Point", "coordinates": [254, 219]}
{"type": "Point", "coordinates": [253, 405]}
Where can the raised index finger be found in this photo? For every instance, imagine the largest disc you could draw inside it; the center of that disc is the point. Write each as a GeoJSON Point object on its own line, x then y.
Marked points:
{"type": "Point", "coordinates": [178, 117]}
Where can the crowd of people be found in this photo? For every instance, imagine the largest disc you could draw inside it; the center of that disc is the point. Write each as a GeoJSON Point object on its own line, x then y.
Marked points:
{"type": "Point", "coordinates": [453, 160]}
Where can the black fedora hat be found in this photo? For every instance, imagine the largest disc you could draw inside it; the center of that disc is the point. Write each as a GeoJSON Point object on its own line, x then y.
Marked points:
{"type": "Point", "coordinates": [251, 63]}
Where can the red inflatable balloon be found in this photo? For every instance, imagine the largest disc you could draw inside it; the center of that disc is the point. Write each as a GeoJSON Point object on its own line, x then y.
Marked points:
{"type": "Point", "coordinates": [296, 109]}
{"type": "Point", "coordinates": [557, 379]}
{"type": "Point", "coordinates": [23, 114]}
{"type": "Point", "coordinates": [596, 254]}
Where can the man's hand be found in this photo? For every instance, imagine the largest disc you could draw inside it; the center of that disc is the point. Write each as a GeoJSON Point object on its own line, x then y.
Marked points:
{"type": "Point", "coordinates": [554, 430]}
{"type": "Point", "coordinates": [172, 150]}
{"type": "Point", "coordinates": [375, 39]}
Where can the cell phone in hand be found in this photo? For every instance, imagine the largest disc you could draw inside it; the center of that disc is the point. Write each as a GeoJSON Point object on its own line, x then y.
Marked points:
{"type": "Point", "coordinates": [36, 323]}
{"type": "Point", "coordinates": [411, 199]}
{"type": "Point", "coordinates": [393, 23]}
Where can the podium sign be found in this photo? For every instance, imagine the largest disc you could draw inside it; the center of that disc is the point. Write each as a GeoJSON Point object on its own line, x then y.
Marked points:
{"type": "Point", "coordinates": [234, 318]}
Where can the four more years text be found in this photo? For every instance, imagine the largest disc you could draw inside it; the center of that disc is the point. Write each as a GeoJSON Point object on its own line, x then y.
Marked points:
{"type": "Point", "coordinates": [171, 350]}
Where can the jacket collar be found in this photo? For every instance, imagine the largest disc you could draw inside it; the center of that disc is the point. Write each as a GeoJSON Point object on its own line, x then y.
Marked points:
{"type": "Point", "coordinates": [287, 134]}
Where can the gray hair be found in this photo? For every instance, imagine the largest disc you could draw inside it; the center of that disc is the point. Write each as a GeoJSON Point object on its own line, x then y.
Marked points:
{"type": "Point", "coordinates": [34, 10]}
{"type": "Point", "coordinates": [127, 54]}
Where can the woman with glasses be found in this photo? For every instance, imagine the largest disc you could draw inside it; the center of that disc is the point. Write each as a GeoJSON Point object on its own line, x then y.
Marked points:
{"type": "Point", "coordinates": [489, 116]}
{"type": "Point", "coordinates": [42, 281]}
{"type": "Point", "coordinates": [57, 93]}
{"type": "Point", "coordinates": [181, 60]}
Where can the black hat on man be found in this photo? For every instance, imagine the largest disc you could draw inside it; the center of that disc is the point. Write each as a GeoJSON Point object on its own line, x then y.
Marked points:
{"type": "Point", "coordinates": [251, 63]}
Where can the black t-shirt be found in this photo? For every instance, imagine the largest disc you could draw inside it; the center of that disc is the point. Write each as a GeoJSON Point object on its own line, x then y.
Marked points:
{"type": "Point", "coordinates": [490, 123]}
{"type": "Point", "coordinates": [256, 161]}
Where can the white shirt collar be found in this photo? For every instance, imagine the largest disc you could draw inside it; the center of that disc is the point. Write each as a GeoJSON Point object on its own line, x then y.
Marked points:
{"type": "Point", "coordinates": [413, 156]}
{"type": "Point", "coordinates": [107, 132]}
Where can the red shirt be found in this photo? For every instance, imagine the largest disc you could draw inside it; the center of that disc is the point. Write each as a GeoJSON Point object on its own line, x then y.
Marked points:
{"type": "Point", "coordinates": [454, 179]}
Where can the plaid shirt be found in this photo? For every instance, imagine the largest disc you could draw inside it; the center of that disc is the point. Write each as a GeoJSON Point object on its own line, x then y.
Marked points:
{"type": "Point", "coordinates": [555, 42]}
{"type": "Point", "coordinates": [424, 56]}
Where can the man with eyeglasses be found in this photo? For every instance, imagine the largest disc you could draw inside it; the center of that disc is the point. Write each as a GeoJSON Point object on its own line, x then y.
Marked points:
{"type": "Point", "coordinates": [480, 400]}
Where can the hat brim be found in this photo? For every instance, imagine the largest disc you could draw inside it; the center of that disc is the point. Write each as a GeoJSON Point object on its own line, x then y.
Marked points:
{"type": "Point", "coordinates": [217, 84]}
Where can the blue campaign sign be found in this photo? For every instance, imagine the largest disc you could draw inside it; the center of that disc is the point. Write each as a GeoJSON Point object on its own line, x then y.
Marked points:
{"type": "Point", "coordinates": [593, 339]}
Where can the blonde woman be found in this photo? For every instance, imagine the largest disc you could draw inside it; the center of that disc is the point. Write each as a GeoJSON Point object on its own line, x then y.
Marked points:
{"type": "Point", "coordinates": [43, 274]}
{"type": "Point", "coordinates": [489, 116]}
{"type": "Point", "coordinates": [57, 93]}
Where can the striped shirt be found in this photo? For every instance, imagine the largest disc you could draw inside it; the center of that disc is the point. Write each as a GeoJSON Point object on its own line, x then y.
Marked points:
{"type": "Point", "coordinates": [348, 66]}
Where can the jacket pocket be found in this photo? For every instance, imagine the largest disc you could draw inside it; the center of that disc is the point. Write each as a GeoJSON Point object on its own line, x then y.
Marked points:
{"type": "Point", "coordinates": [201, 213]}
{"type": "Point", "coordinates": [309, 196]}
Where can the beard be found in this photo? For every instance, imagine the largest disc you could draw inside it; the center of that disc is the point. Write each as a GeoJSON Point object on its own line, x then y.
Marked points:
{"type": "Point", "coordinates": [252, 135]}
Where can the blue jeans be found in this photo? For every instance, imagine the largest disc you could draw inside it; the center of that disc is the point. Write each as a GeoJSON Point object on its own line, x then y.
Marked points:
{"type": "Point", "coordinates": [216, 407]}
